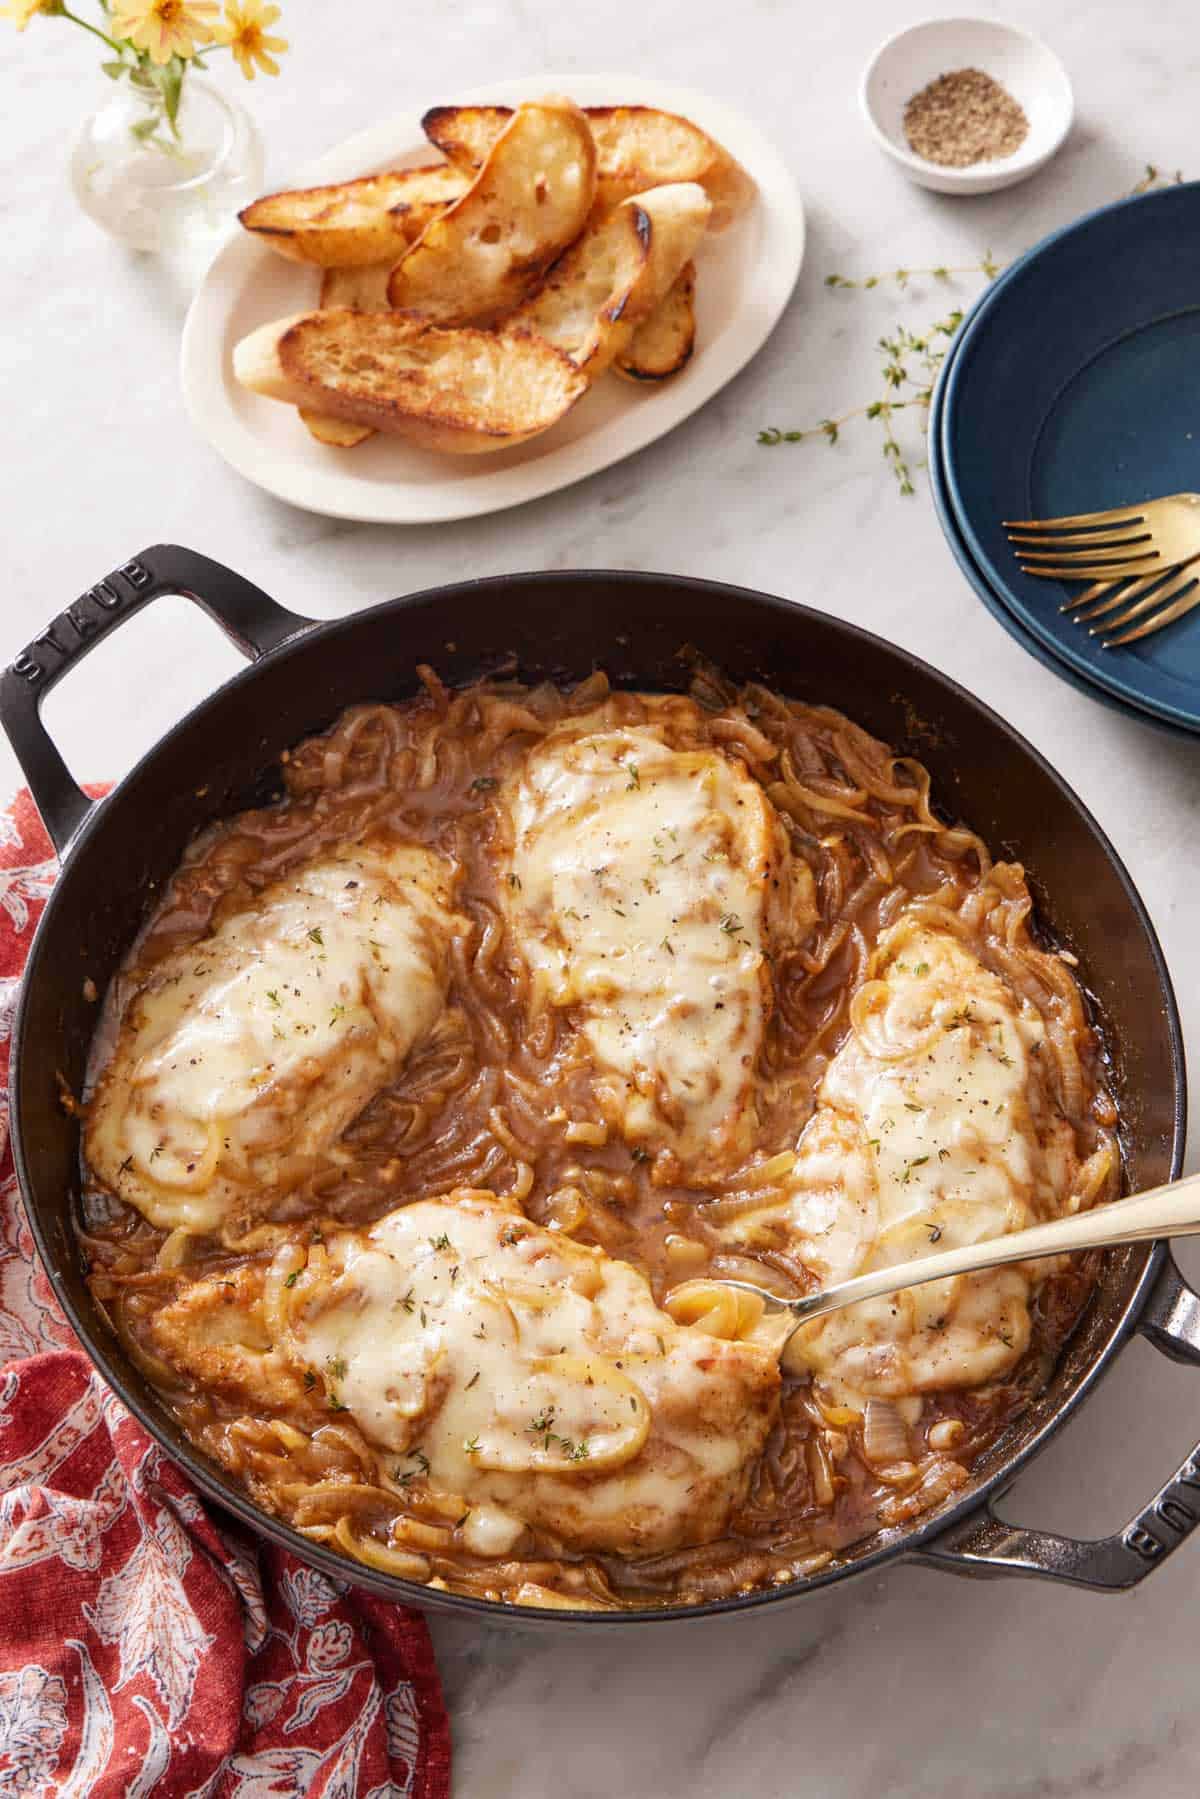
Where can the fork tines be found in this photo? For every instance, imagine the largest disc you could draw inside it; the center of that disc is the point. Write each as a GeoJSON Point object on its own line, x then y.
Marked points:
{"type": "Point", "coordinates": [1143, 563]}
{"type": "Point", "coordinates": [1116, 515]}
{"type": "Point", "coordinates": [1068, 548]}
{"type": "Point", "coordinates": [1156, 602]}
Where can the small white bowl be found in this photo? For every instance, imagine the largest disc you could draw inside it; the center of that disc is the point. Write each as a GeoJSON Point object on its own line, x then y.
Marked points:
{"type": "Point", "coordinates": [1024, 65]}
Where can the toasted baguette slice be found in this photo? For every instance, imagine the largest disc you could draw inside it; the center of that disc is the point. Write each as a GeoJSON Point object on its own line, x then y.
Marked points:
{"type": "Point", "coordinates": [338, 434]}
{"type": "Point", "coordinates": [613, 277]}
{"type": "Point", "coordinates": [637, 147]}
{"type": "Point", "coordinates": [530, 199]}
{"type": "Point", "coordinates": [363, 290]}
{"type": "Point", "coordinates": [355, 222]}
{"type": "Point", "coordinates": [464, 392]}
{"type": "Point", "coordinates": [465, 134]}
{"type": "Point", "coordinates": [664, 344]}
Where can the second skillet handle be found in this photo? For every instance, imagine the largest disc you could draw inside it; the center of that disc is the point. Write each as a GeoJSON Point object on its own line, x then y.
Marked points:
{"type": "Point", "coordinates": [983, 1544]}
{"type": "Point", "coordinates": [249, 617]}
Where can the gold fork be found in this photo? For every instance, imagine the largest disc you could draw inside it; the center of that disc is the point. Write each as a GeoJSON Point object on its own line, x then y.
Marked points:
{"type": "Point", "coordinates": [1145, 604]}
{"type": "Point", "coordinates": [1172, 1210]}
{"type": "Point", "coordinates": [1124, 541]}
{"type": "Point", "coordinates": [1145, 556]}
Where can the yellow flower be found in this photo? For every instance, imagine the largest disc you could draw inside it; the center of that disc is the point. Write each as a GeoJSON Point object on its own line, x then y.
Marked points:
{"type": "Point", "coordinates": [164, 28]}
{"type": "Point", "coordinates": [21, 11]}
{"type": "Point", "coordinates": [245, 31]}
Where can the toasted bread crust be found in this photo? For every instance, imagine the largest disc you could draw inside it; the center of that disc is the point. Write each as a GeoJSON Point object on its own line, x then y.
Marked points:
{"type": "Point", "coordinates": [664, 343]}
{"type": "Point", "coordinates": [637, 147]}
{"type": "Point", "coordinates": [581, 303]}
{"type": "Point", "coordinates": [612, 280]}
{"type": "Point", "coordinates": [530, 199]}
{"type": "Point", "coordinates": [363, 289]}
{"type": "Point", "coordinates": [462, 391]}
{"type": "Point", "coordinates": [465, 134]}
{"type": "Point", "coordinates": [353, 223]}
{"type": "Point", "coordinates": [337, 434]}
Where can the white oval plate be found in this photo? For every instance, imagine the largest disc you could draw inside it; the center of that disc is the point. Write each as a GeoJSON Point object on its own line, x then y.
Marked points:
{"type": "Point", "coordinates": [745, 277]}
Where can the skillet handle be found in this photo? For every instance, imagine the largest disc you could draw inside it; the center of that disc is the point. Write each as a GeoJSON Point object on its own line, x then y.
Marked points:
{"type": "Point", "coordinates": [983, 1545]}
{"type": "Point", "coordinates": [249, 617]}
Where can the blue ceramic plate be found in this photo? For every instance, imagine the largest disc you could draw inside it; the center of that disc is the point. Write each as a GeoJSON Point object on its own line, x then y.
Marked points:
{"type": "Point", "coordinates": [996, 606]}
{"type": "Point", "coordinates": [1075, 385]}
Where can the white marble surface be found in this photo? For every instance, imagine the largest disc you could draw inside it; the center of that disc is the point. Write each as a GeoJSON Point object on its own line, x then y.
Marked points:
{"type": "Point", "coordinates": [910, 1684]}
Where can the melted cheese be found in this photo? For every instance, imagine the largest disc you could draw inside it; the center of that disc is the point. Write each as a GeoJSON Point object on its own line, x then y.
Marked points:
{"type": "Point", "coordinates": [214, 1331]}
{"type": "Point", "coordinates": [642, 882]}
{"type": "Point", "coordinates": [933, 1131]}
{"type": "Point", "coordinates": [241, 1058]}
{"type": "Point", "coordinates": [532, 1375]}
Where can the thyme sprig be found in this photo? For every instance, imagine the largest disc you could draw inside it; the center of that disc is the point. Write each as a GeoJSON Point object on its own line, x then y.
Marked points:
{"type": "Point", "coordinates": [909, 367]}
{"type": "Point", "coordinates": [1154, 177]}
{"type": "Point", "coordinates": [940, 272]}
{"type": "Point", "coordinates": [911, 361]}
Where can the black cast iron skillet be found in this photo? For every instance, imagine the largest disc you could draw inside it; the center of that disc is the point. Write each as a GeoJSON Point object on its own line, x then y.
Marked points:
{"type": "Point", "coordinates": [224, 756]}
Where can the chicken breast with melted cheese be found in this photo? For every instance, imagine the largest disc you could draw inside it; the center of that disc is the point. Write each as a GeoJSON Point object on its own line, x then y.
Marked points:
{"type": "Point", "coordinates": [935, 1129]}
{"type": "Point", "coordinates": [527, 1372]}
{"type": "Point", "coordinates": [646, 886]}
{"type": "Point", "coordinates": [238, 1061]}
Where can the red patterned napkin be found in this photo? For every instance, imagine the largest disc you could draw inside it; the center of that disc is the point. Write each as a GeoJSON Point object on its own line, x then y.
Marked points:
{"type": "Point", "coordinates": [146, 1648]}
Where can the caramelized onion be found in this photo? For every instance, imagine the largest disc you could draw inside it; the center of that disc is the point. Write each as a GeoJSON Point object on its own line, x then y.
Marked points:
{"type": "Point", "coordinates": [405, 1563]}
{"type": "Point", "coordinates": [711, 1306]}
{"type": "Point", "coordinates": [501, 1099]}
{"type": "Point", "coordinates": [884, 1434]}
{"type": "Point", "coordinates": [820, 1473]}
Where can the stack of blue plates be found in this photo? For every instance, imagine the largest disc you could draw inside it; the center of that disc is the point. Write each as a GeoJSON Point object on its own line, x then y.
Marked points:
{"type": "Point", "coordinates": [1074, 385]}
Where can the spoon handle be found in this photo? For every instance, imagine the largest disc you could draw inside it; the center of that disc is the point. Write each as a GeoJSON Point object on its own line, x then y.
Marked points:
{"type": "Point", "coordinates": [1169, 1211]}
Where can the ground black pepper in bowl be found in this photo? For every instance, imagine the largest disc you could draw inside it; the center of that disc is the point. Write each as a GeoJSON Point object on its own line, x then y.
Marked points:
{"type": "Point", "coordinates": [964, 117]}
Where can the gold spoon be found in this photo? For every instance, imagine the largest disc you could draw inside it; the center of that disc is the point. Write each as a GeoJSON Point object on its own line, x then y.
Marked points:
{"type": "Point", "coordinates": [1172, 1210]}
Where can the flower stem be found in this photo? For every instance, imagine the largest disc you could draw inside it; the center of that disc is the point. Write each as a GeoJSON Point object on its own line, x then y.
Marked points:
{"type": "Point", "coordinates": [66, 13]}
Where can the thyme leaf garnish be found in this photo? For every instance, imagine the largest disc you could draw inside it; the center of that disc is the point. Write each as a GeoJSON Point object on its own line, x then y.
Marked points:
{"type": "Point", "coordinates": [910, 362]}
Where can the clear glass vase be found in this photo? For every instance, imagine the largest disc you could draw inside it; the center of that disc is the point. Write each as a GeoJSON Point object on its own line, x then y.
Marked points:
{"type": "Point", "coordinates": [155, 189]}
